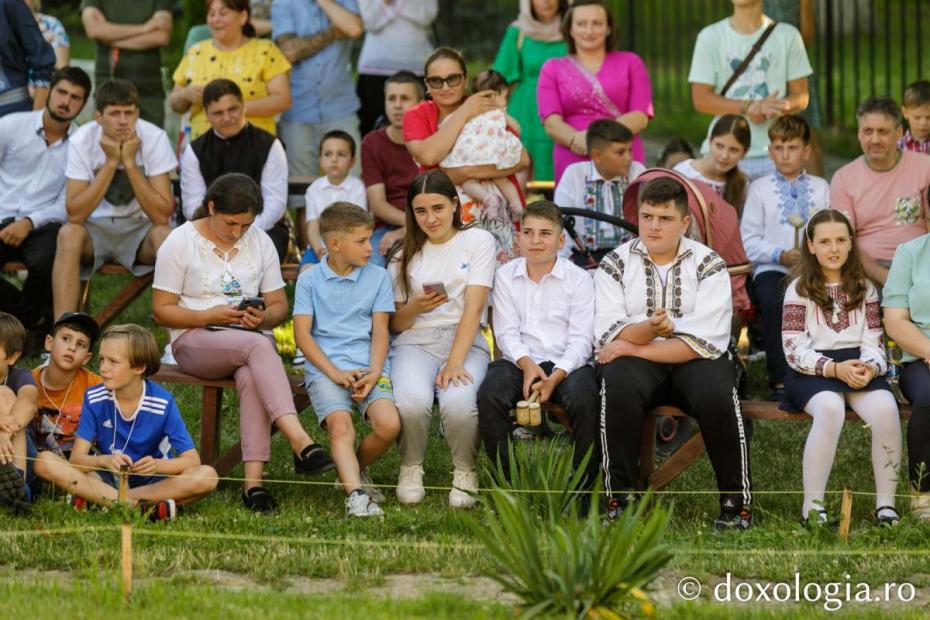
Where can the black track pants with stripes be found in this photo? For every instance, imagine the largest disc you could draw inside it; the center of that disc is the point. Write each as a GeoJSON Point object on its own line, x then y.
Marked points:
{"type": "Point", "coordinates": [704, 389]}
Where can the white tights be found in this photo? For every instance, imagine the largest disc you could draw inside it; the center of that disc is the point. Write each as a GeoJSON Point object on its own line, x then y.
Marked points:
{"type": "Point", "coordinates": [878, 409]}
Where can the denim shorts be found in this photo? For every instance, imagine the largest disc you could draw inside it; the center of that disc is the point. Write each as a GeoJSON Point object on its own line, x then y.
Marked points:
{"type": "Point", "coordinates": [111, 479]}
{"type": "Point", "coordinates": [326, 397]}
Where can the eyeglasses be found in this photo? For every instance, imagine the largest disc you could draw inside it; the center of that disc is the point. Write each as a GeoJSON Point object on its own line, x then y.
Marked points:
{"type": "Point", "coordinates": [436, 82]}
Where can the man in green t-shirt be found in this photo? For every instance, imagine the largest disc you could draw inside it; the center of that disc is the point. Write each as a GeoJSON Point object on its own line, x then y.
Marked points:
{"type": "Point", "coordinates": [129, 36]}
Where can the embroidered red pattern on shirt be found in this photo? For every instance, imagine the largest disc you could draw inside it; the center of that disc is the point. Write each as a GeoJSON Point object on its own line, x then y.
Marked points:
{"type": "Point", "coordinates": [794, 318]}
{"type": "Point", "coordinates": [873, 315]}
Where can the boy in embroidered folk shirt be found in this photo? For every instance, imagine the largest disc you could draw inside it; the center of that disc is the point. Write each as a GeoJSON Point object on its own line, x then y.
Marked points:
{"type": "Point", "coordinates": [63, 381]}
{"type": "Point", "coordinates": [599, 185]}
{"type": "Point", "coordinates": [916, 109]}
{"type": "Point", "coordinates": [663, 309]}
{"type": "Point", "coordinates": [143, 441]}
{"type": "Point", "coordinates": [776, 210]}
{"type": "Point", "coordinates": [17, 409]}
{"type": "Point", "coordinates": [341, 312]}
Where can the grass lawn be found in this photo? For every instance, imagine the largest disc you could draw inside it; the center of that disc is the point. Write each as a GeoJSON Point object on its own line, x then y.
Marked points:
{"type": "Point", "coordinates": [274, 565]}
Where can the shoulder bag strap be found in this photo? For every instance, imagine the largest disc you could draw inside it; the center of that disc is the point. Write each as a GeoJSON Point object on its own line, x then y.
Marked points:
{"type": "Point", "coordinates": [745, 64]}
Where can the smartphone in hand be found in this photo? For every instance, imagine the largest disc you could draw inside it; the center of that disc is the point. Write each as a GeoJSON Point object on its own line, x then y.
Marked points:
{"type": "Point", "coordinates": [250, 302]}
{"type": "Point", "coordinates": [435, 287]}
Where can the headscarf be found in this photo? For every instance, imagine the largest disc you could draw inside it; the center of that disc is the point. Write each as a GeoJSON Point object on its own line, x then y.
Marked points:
{"type": "Point", "coordinates": [532, 28]}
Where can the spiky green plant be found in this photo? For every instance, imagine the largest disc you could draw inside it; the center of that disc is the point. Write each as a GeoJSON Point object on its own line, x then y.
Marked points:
{"type": "Point", "coordinates": [560, 564]}
{"type": "Point", "coordinates": [543, 474]}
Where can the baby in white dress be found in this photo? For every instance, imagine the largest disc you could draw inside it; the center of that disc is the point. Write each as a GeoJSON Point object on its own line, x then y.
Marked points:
{"type": "Point", "coordinates": [485, 140]}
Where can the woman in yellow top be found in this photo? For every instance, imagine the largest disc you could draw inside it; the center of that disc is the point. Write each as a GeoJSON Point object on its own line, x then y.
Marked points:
{"type": "Point", "coordinates": [257, 66]}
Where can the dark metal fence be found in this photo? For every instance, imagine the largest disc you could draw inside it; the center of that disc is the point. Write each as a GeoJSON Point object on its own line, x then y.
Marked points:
{"type": "Point", "coordinates": [862, 47]}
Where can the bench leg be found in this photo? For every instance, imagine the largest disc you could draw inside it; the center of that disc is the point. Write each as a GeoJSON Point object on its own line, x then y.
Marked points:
{"type": "Point", "coordinates": [681, 460]}
{"type": "Point", "coordinates": [210, 423]}
{"type": "Point", "coordinates": [126, 296]}
{"type": "Point", "coordinates": [647, 451]}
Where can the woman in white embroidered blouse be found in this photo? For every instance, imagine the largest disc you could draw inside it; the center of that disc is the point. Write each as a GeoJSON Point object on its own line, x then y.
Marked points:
{"type": "Point", "coordinates": [832, 336]}
{"type": "Point", "coordinates": [206, 274]}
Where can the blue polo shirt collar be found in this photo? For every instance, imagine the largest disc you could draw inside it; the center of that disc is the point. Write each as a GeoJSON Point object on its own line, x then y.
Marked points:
{"type": "Point", "coordinates": [329, 274]}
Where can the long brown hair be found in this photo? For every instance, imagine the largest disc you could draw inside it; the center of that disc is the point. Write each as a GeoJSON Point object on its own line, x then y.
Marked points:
{"type": "Point", "coordinates": [430, 182]}
{"type": "Point", "coordinates": [811, 281]}
{"type": "Point", "coordinates": [734, 191]}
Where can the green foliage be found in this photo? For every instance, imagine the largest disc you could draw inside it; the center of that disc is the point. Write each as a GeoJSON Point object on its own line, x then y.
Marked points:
{"type": "Point", "coordinates": [557, 563]}
{"type": "Point", "coordinates": [544, 466]}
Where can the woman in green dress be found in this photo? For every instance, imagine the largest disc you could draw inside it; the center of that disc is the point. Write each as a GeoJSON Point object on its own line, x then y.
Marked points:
{"type": "Point", "coordinates": [532, 39]}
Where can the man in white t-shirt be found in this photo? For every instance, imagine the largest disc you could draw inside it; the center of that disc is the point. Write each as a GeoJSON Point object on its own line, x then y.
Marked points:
{"type": "Point", "coordinates": [598, 185]}
{"type": "Point", "coordinates": [118, 198]}
{"type": "Point", "coordinates": [774, 83]}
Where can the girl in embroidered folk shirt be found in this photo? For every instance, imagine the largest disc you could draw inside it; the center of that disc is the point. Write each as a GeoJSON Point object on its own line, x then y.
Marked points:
{"type": "Point", "coordinates": [832, 336]}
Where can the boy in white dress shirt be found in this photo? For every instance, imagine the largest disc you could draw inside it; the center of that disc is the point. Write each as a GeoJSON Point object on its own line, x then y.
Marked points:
{"type": "Point", "coordinates": [544, 325]}
{"type": "Point", "coordinates": [777, 207]}
{"type": "Point", "coordinates": [337, 156]}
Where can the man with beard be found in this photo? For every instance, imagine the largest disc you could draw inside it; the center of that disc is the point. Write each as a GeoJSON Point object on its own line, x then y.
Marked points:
{"type": "Point", "coordinates": [33, 154]}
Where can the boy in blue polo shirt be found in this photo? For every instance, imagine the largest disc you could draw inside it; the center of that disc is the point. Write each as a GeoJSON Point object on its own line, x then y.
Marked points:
{"type": "Point", "coordinates": [134, 422]}
{"type": "Point", "coordinates": [341, 312]}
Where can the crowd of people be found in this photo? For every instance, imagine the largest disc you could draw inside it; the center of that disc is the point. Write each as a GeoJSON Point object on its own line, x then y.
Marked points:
{"type": "Point", "coordinates": [418, 235]}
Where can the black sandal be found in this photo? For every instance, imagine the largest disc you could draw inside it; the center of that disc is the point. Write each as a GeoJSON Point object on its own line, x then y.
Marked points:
{"type": "Point", "coordinates": [313, 461]}
{"type": "Point", "coordinates": [259, 499]}
{"type": "Point", "coordinates": [885, 520]}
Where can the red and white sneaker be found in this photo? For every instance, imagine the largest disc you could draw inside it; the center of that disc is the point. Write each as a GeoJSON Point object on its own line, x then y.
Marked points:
{"type": "Point", "coordinates": [165, 510]}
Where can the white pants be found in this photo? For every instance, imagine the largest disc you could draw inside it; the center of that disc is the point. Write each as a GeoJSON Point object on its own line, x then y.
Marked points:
{"type": "Point", "coordinates": [414, 368]}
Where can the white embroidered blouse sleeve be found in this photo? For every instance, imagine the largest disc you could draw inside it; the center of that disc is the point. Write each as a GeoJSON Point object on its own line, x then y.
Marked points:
{"type": "Point", "coordinates": [796, 337]}
{"type": "Point", "coordinates": [610, 311]}
{"type": "Point", "coordinates": [872, 348]}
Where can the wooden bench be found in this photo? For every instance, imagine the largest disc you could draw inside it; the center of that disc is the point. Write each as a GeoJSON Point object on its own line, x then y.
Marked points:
{"type": "Point", "coordinates": [652, 477]}
{"type": "Point", "coordinates": [211, 411]}
{"type": "Point", "coordinates": [126, 295]}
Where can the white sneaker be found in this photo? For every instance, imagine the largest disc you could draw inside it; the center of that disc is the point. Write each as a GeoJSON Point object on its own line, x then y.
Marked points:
{"type": "Point", "coordinates": [369, 487]}
{"type": "Point", "coordinates": [359, 505]}
{"type": "Point", "coordinates": [465, 485]}
{"type": "Point", "coordinates": [374, 510]}
{"type": "Point", "coordinates": [410, 484]}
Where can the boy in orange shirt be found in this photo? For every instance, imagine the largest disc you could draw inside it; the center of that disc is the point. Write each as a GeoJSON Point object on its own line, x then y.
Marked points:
{"type": "Point", "coordinates": [62, 383]}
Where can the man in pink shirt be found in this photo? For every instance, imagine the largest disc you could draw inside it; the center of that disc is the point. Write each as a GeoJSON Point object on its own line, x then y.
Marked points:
{"type": "Point", "coordinates": [884, 191]}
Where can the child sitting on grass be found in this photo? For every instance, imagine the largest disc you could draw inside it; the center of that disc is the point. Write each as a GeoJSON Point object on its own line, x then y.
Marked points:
{"type": "Point", "coordinates": [133, 422]}
{"type": "Point", "coordinates": [341, 312]}
{"type": "Point", "coordinates": [62, 382]}
{"type": "Point", "coordinates": [17, 409]}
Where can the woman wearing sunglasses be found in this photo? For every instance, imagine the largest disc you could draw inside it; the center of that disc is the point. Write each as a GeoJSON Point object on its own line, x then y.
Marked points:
{"type": "Point", "coordinates": [432, 127]}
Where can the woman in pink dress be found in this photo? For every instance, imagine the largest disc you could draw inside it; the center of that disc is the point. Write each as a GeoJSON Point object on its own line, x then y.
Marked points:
{"type": "Point", "coordinates": [591, 83]}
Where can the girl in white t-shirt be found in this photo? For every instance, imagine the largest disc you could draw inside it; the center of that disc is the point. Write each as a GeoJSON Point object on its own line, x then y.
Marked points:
{"type": "Point", "coordinates": [442, 279]}
{"type": "Point", "coordinates": [730, 140]}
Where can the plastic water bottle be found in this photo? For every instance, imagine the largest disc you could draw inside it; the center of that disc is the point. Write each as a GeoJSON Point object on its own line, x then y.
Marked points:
{"type": "Point", "coordinates": [894, 370]}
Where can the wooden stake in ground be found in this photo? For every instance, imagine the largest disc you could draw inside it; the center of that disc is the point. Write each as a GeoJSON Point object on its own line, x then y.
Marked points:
{"type": "Point", "coordinates": [845, 514]}
{"type": "Point", "coordinates": [126, 535]}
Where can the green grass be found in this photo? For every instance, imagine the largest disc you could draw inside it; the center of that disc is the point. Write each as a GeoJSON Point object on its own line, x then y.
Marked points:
{"type": "Point", "coordinates": [432, 539]}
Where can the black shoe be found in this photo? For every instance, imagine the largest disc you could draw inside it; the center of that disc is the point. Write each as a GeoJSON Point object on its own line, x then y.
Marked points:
{"type": "Point", "coordinates": [615, 509]}
{"type": "Point", "coordinates": [13, 490]}
{"type": "Point", "coordinates": [886, 520]}
{"type": "Point", "coordinates": [778, 394]}
{"type": "Point", "coordinates": [259, 499]}
{"type": "Point", "coordinates": [730, 520]}
{"type": "Point", "coordinates": [313, 461]}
